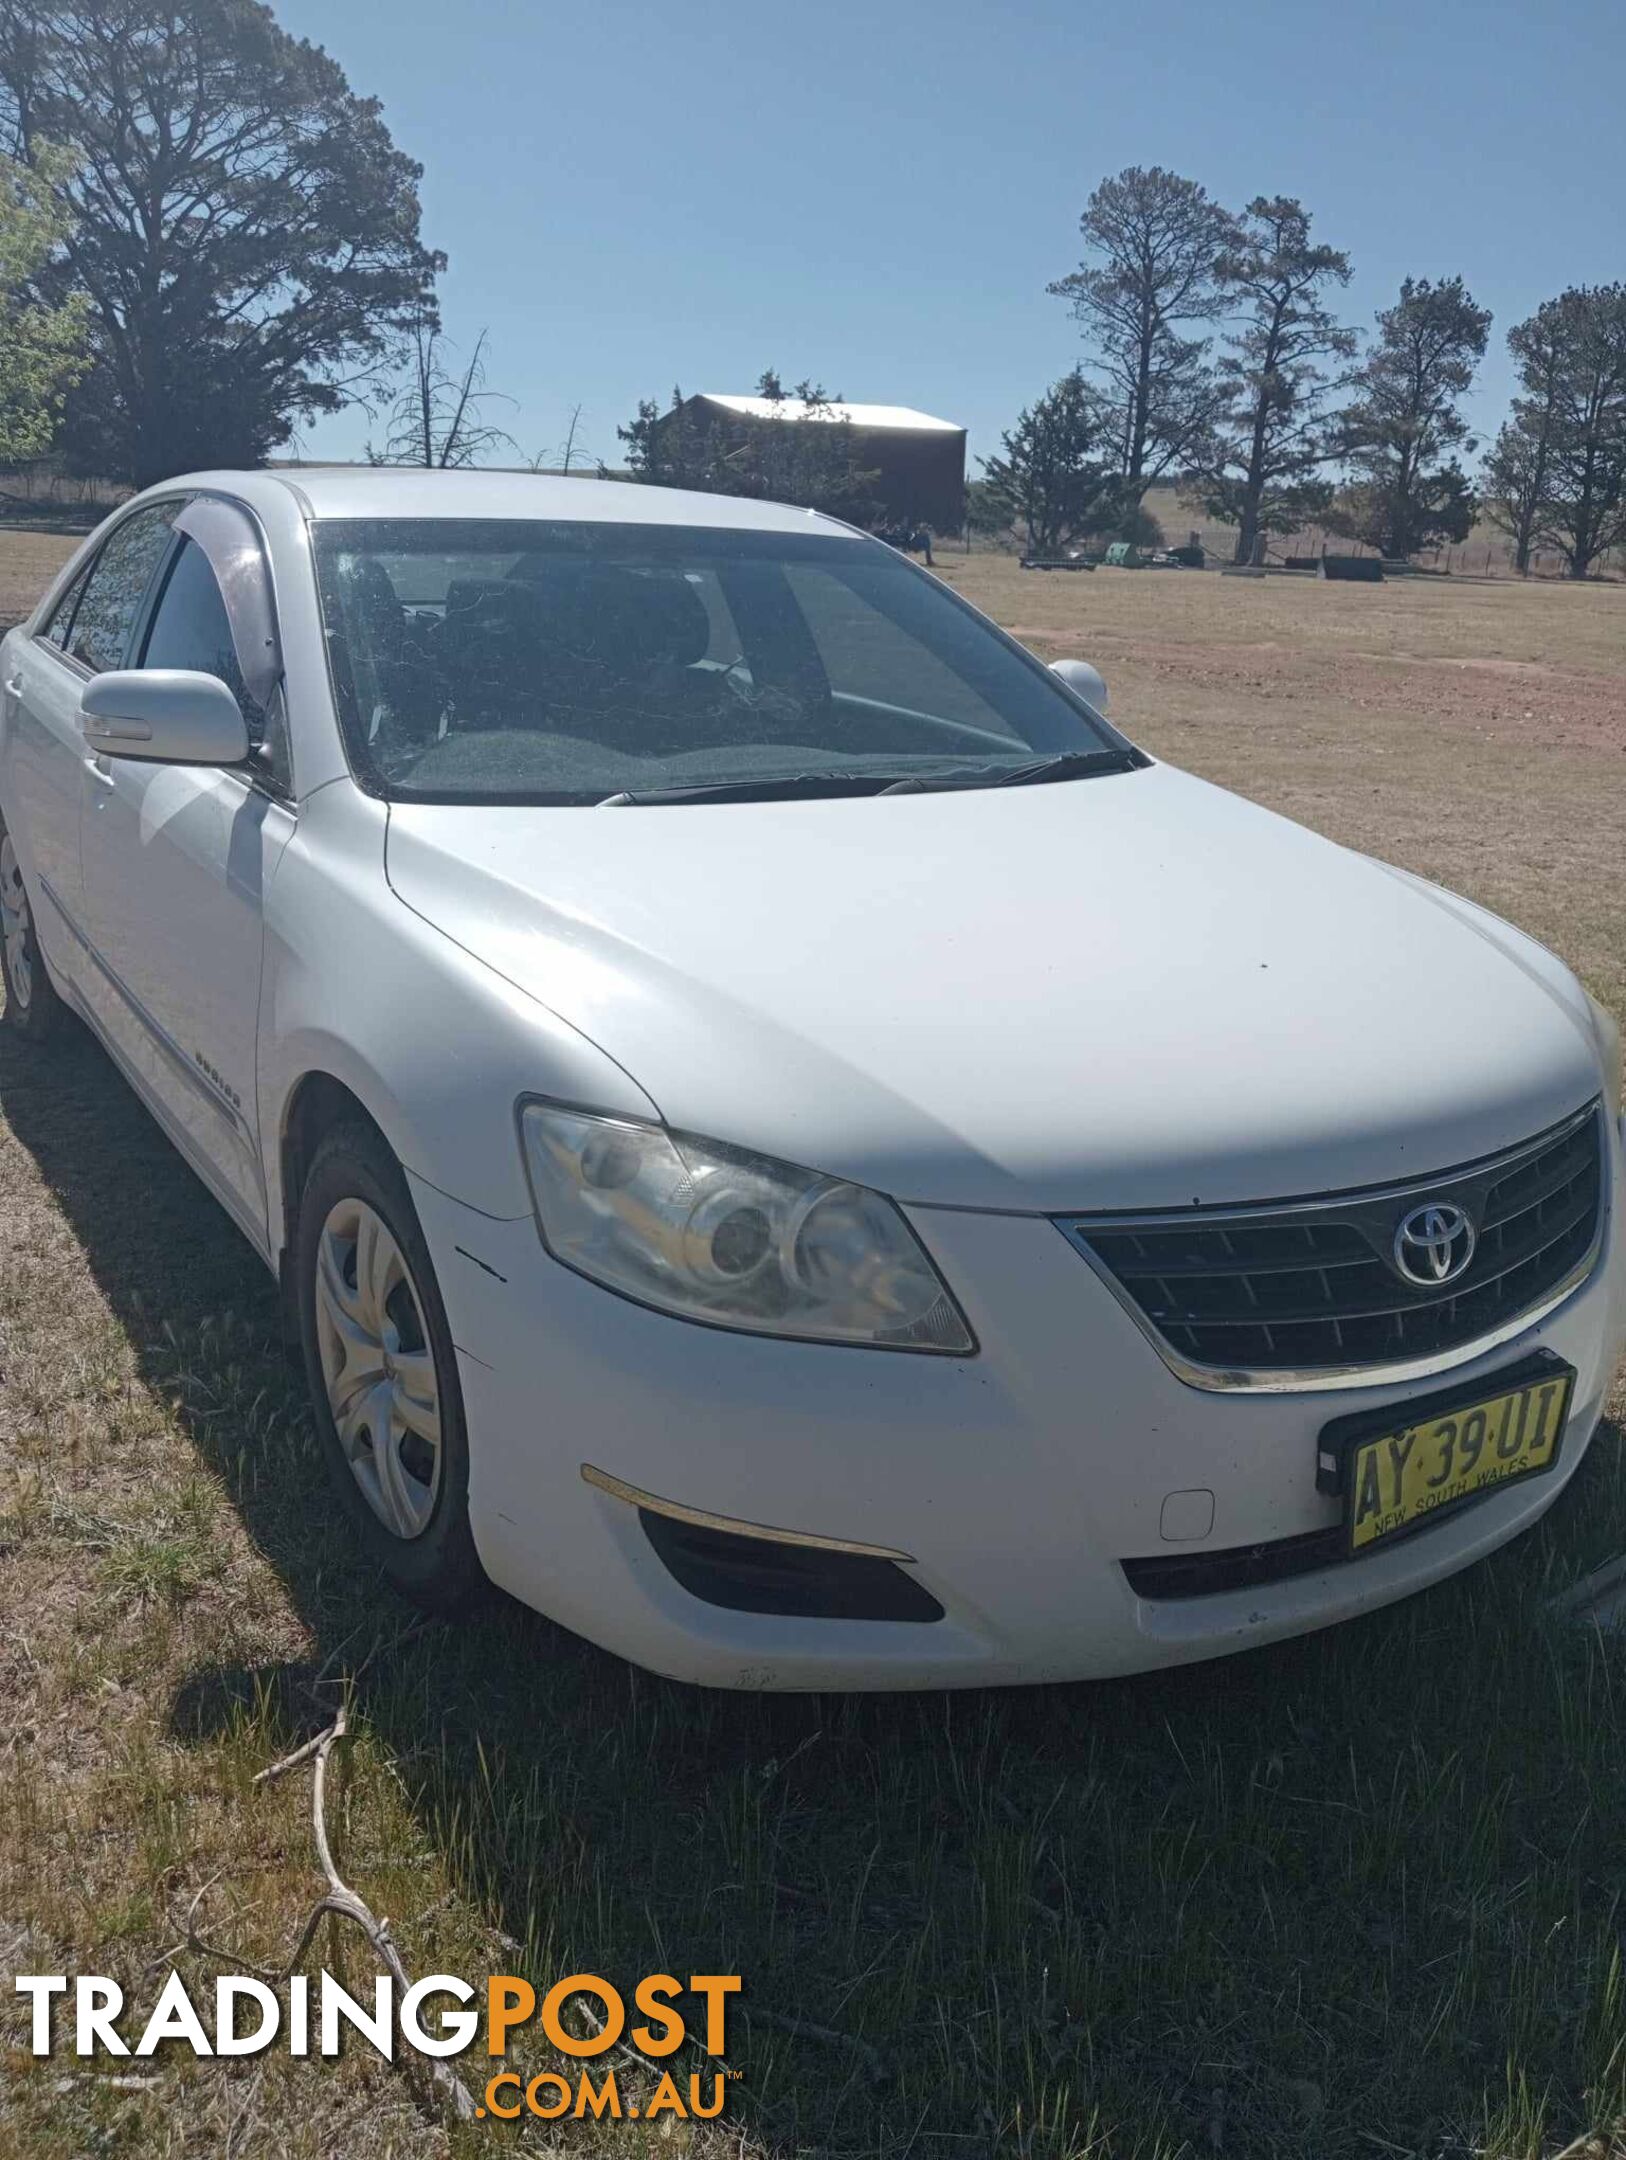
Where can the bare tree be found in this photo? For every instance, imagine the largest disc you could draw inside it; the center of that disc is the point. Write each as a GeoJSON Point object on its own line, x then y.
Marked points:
{"type": "Point", "coordinates": [571, 453]}
{"type": "Point", "coordinates": [438, 420]}
{"type": "Point", "coordinates": [570, 448]}
{"type": "Point", "coordinates": [1153, 244]}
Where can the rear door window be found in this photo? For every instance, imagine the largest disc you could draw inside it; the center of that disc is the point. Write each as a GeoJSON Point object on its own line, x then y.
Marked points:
{"type": "Point", "coordinates": [106, 614]}
{"type": "Point", "coordinates": [60, 621]}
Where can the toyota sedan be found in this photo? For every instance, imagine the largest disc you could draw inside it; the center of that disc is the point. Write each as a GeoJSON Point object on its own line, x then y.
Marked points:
{"type": "Point", "coordinates": [790, 1144]}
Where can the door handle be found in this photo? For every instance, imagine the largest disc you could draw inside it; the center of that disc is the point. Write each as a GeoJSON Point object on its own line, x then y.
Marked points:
{"type": "Point", "coordinates": [14, 686]}
{"type": "Point", "coordinates": [100, 771]}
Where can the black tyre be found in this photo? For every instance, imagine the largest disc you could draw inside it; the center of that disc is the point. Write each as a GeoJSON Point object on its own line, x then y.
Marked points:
{"type": "Point", "coordinates": [382, 1370]}
{"type": "Point", "coordinates": [33, 1009]}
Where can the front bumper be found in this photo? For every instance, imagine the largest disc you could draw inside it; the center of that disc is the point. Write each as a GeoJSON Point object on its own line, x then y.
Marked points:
{"type": "Point", "coordinates": [1017, 1480]}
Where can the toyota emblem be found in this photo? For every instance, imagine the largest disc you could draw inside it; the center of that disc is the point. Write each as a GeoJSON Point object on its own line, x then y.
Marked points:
{"type": "Point", "coordinates": [1434, 1244]}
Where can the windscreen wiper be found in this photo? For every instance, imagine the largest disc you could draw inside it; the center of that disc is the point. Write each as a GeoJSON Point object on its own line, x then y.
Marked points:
{"type": "Point", "coordinates": [783, 787]}
{"type": "Point", "coordinates": [1069, 765]}
{"type": "Point", "coordinates": [1059, 765]}
{"type": "Point", "coordinates": [792, 787]}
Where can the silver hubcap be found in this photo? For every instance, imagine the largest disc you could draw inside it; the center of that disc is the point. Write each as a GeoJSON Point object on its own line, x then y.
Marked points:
{"type": "Point", "coordinates": [379, 1369]}
{"type": "Point", "coordinates": [14, 922]}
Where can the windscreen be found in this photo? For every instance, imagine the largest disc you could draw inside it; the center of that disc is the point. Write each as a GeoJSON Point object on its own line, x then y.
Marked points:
{"type": "Point", "coordinates": [508, 661]}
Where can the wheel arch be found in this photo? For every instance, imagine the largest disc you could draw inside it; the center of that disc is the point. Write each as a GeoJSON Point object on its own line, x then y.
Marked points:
{"type": "Point", "coordinates": [317, 1102]}
{"type": "Point", "coordinates": [432, 1558]}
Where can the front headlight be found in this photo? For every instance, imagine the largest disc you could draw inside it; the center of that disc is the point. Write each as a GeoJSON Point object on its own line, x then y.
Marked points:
{"type": "Point", "coordinates": [714, 1233]}
{"type": "Point", "coordinates": [1607, 1029]}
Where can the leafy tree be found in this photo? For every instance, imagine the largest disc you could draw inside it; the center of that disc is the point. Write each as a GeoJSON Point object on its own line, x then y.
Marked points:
{"type": "Point", "coordinates": [659, 443]}
{"type": "Point", "coordinates": [1558, 471]}
{"type": "Point", "coordinates": [1586, 493]}
{"type": "Point", "coordinates": [1150, 276]}
{"type": "Point", "coordinates": [1516, 471]}
{"type": "Point", "coordinates": [1402, 429]}
{"type": "Point", "coordinates": [41, 346]}
{"type": "Point", "coordinates": [244, 231]}
{"type": "Point", "coordinates": [1364, 510]}
{"type": "Point", "coordinates": [439, 417]}
{"type": "Point", "coordinates": [1274, 434]}
{"type": "Point", "coordinates": [1053, 479]}
{"type": "Point", "coordinates": [810, 457]}
{"type": "Point", "coordinates": [1513, 484]}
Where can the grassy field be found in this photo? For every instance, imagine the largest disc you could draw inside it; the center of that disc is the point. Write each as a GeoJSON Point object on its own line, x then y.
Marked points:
{"type": "Point", "coordinates": [1474, 732]}
{"type": "Point", "coordinates": [1360, 1895]}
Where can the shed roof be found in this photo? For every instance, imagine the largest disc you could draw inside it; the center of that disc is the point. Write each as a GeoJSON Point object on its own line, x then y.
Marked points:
{"type": "Point", "coordinates": [861, 416]}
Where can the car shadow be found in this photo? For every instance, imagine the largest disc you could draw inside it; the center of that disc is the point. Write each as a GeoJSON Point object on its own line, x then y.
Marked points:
{"type": "Point", "coordinates": [917, 1890]}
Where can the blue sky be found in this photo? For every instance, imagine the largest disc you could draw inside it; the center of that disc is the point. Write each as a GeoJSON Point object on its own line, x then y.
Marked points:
{"type": "Point", "coordinates": [876, 194]}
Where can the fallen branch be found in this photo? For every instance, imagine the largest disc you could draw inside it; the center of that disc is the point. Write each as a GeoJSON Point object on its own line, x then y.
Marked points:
{"type": "Point", "coordinates": [802, 2029]}
{"type": "Point", "coordinates": [1599, 1597]}
{"type": "Point", "coordinates": [1590, 2145]}
{"type": "Point", "coordinates": [338, 1899]}
{"type": "Point", "coordinates": [284, 1764]}
{"type": "Point", "coordinates": [619, 2047]}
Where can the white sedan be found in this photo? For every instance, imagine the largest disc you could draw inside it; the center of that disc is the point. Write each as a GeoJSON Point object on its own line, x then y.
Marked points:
{"type": "Point", "coordinates": [792, 1145]}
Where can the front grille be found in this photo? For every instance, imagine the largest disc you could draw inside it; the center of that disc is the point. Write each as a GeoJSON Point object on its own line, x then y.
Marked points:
{"type": "Point", "coordinates": [1301, 1286]}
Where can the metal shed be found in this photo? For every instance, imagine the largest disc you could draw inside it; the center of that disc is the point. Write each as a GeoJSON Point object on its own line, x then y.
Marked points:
{"type": "Point", "coordinates": [921, 460]}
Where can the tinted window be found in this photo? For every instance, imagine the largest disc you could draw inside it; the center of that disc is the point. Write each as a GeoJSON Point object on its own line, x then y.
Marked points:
{"type": "Point", "coordinates": [868, 653]}
{"type": "Point", "coordinates": [60, 621]}
{"type": "Point", "coordinates": [191, 629]}
{"type": "Point", "coordinates": [118, 582]}
{"type": "Point", "coordinates": [507, 660]}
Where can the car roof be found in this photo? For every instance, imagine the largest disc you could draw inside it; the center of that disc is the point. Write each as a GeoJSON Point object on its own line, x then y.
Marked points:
{"type": "Point", "coordinates": [403, 491]}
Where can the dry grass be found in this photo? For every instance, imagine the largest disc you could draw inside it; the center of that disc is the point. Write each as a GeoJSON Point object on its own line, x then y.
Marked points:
{"type": "Point", "coordinates": [1356, 1894]}
{"type": "Point", "coordinates": [1540, 624]}
{"type": "Point", "coordinates": [1475, 733]}
{"type": "Point", "coordinates": [28, 562]}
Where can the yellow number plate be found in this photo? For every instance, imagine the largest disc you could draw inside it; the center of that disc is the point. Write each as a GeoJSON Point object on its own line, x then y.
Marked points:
{"type": "Point", "coordinates": [1398, 1479]}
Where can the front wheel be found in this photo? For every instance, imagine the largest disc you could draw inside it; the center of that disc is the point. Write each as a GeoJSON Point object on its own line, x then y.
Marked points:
{"type": "Point", "coordinates": [33, 1008]}
{"type": "Point", "coordinates": [382, 1370]}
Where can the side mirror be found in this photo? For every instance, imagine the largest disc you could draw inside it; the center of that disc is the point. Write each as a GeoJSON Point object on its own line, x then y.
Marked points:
{"type": "Point", "coordinates": [1089, 683]}
{"type": "Point", "coordinates": [165, 716]}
